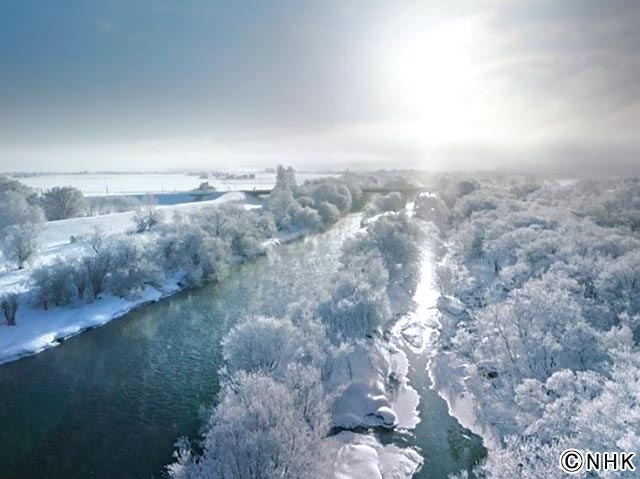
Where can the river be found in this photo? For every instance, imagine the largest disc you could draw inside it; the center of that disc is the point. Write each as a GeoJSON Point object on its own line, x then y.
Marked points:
{"type": "Point", "coordinates": [111, 402]}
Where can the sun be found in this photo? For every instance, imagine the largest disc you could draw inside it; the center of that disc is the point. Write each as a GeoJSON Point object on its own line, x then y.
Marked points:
{"type": "Point", "coordinates": [431, 73]}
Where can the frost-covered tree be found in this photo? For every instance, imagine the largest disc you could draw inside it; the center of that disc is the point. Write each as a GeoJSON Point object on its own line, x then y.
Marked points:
{"type": "Point", "coordinates": [62, 202]}
{"type": "Point", "coordinates": [305, 383]}
{"type": "Point", "coordinates": [548, 276]}
{"type": "Point", "coordinates": [523, 188]}
{"type": "Point", "coordinates": [619, 283]}
{"type": "Point", "coordinates": [359, 303]}
{"type": "Point", "coordinates": [280, 204]}
{"type": "Point", "coordinates": [262, 344]}
{"type": "Point", "coordinates": [213, 254]}
{"type": "Point", "coordinates": [475, 202]}
{"type": "Point", "coordinates": [430, 207]}
{"type": "Point", "coordinates": [526, 458]}
{"type": "Point", "coordinates": [20, 243]}
{"type": "Point", "coordinates": [9, 303]}
{"type": "Point", "coordinates": [286, 179]}
{"type": "Point", "coordinates": [243, 230]}
{"type": "Point", "coordinates": [295, 207]}
{"type": "Point", "coordinates": [390, 202]}
{"type": "Point", "coordinates": [308, 219]}
{"type": "Point", "coordinates": [266, 224]}
{"type": "Point", "coordinates": [16, 210]}
{"type": "Point", "coordinates": [133, 266]}
{"type": "Point", "coordinates": [306, 201]}
{"type": "Point", "coordinates": [538, 330]}
{"type": "Point", "coordinates": [80, 278]}
{"type": "Point", "coordinates": [256, 432]}
{"type": "Point", "coordinates": [147, 216]}
{"type": "Point", "coordinates": [97, 267]}
{"type": "Point", "coordinates": [358, 199]}
{"type": "Point", "coordinates": [466, 187]}
{"type": "Point", "coordinates": [399, 181]}
{"type": "Point", "coordinates": [328, 212]}
{"type": "Point", "coordinates": [20, 224]}
{"type": "Point", "coordinates": [398, 239]}
{"type": "Point", "coordinates": [188, 249]}
{"type": "Point", "coordinates": [335, 194]}
{"type": "Point", "coordinates": [54, 284]}
{"type": "Point", "coordinates": [14, 186]}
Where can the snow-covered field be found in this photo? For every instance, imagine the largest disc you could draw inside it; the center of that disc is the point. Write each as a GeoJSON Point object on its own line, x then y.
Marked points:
{"type": "Point", "coordinates": [55, 238]}
{"type": "Point", "coordinates": [141, 183]}
{"type": "Point", "coordinates": [36, 329]}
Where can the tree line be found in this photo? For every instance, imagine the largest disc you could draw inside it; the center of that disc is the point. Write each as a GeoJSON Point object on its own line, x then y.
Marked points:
{"type": "Point", "coordinates": [188, 248]}
{"type": "Point", "coordinates": [540, 284]}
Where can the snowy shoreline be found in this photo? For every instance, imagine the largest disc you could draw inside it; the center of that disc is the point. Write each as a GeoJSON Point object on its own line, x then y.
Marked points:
{"type": "Point", "coordinates": [38, 330]}
{"type": "Point", "coordinates": [47, 329]}
{"type": "Point", "coordinates": [65, 323]}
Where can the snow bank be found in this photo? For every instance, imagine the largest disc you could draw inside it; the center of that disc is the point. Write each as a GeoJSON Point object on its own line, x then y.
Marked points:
{"type": "Point", "coordinates": [59, 232]}
{"type": "Point", "coordinates": [374, 390]}
{"type": "Point", "coordinates": [446, 314]}
{"type": "Point", "coordinates": [37, 330]}
{"type": "Point", "coordinates": [443, 371]}
{"type": "Point", "coordinates": [361, 456]}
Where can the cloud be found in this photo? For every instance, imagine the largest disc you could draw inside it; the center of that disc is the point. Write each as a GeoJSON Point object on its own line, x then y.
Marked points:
{"type": "Point", "coordinates": [576, 61]}
{"type": "Point", "coordinates": [302, 81]}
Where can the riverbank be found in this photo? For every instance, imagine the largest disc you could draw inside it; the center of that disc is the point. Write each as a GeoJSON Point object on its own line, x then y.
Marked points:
{"type": "Point", "coordinates": [38, 329]}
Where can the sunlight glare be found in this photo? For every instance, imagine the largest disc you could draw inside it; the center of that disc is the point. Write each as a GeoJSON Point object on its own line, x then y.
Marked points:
{"type": "Point", "coordinates": [430, 73]}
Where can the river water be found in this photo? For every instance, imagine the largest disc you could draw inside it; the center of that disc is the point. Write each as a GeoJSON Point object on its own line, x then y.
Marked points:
{"type": "Point", "coordinates": [111, 402]}
{"type": "Point", "coordinates": [445, 445]}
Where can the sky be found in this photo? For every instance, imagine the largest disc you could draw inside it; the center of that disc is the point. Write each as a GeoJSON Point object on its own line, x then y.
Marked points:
{"type": "Point", "coordinates": [438, 84]}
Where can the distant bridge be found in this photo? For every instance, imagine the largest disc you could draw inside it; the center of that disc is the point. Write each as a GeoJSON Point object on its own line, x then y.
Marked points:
{"type": "Point", "coordinates": [409, 190]}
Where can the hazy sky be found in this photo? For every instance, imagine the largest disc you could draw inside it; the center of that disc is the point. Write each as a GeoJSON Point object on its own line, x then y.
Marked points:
{"type": "Point", "coordinates": [144, 84]}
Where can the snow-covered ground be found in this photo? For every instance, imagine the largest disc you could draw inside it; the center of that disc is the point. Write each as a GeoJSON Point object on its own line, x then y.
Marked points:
{"type": "Point", "coordinates": [141, 183]}
{"type": "Point", "coordinates": [361, 456]}
{"type": "Point", "coordinates": [55, 238]}
{"type": "Point", "coordinates": [37, 329]}
{"type": "Point", "coordinates": [379, 395]}
{"type": "Point", "coordinates": [375, 377]}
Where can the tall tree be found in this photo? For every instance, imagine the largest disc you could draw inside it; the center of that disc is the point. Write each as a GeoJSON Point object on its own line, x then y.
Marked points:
{"type": "Point", "coordinates": [62, 202]}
